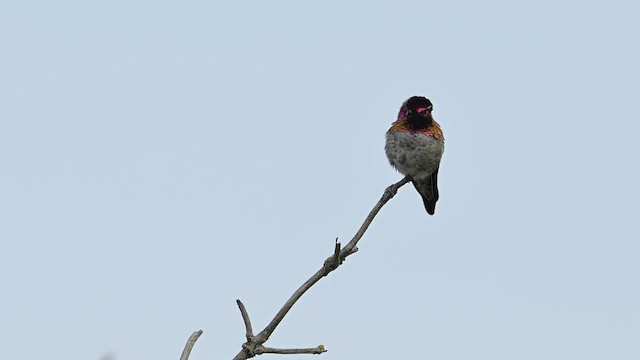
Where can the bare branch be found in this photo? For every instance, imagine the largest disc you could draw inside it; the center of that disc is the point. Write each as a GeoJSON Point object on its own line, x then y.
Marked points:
{"type": "Point", "coordinates": [254, 346]}
{"type": "Point", "coordinates": [389, 193]}
{"type": "Point", "coordinates": [268, 330]}
{"type": "Point", "coordinates": [246, 319]}
{"type": "Point", "coordinates": [187, 348]}
{"type": "Point", "coordinates": [316, 350]}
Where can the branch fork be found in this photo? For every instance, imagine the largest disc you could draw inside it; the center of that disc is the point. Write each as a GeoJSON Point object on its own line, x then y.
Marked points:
{"type": "Point", "coordinates": [254, 346]}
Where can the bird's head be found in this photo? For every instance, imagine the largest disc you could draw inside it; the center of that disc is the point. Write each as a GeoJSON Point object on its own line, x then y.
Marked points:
{"type": "Point", "coordinates": [417, 111]}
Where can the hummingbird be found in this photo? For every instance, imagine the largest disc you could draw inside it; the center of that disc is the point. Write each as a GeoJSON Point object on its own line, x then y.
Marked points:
{"type": "Point", "coordinates": [414, 146]}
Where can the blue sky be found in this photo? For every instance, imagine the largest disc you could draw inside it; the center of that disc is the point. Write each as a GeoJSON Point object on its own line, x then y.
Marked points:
{"type": "Point", "coordinates": [161, 159]}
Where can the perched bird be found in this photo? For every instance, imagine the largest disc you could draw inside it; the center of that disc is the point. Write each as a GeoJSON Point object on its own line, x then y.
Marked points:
{"type": "Point", "coordinates": [414, 147]}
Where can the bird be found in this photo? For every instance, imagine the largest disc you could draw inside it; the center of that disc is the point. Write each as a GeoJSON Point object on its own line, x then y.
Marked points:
{"type": "Point", "coordinates": [414, 146]}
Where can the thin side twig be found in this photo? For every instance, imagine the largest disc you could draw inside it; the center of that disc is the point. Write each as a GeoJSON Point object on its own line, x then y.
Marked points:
{"type": "Point", "coordinates": [192, 341]}
{"type": "Point", "coordinates": [246, 319]}
{"type": "Point", "coordinates": [334, 261]}
{"type": "Point", "coordinates": [316, 350]}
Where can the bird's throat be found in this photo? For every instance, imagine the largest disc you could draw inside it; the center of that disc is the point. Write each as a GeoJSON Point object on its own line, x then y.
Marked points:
{"type": "Point", "coordinates": [419, 122]}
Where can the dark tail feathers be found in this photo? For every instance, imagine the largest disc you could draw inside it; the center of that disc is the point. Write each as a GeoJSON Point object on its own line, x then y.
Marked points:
{"type": "Point", "coordinates": [428, 189]}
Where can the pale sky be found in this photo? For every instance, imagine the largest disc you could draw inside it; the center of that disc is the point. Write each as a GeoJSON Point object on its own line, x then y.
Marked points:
{"type": "Point", "coordinates": [161, 159]}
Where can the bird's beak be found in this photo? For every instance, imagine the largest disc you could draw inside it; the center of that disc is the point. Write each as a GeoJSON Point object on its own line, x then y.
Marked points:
{"type": "Point", "coordinates": [425, 111]}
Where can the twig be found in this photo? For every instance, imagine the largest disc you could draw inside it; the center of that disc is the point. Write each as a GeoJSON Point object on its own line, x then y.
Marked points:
{"type": "Point", "coordinates": [316, 350]}
{"type": "Point", "coordinates": [254, 346]}
{"type": "Point", "coordinates": [389, 193]}
{"type": "Point", "coordinates": [187, 348]}
{"type": "Point", "coordinates": [334, 261]}
{"type": "Point", "coordinates": [245, 318]}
